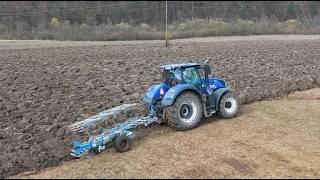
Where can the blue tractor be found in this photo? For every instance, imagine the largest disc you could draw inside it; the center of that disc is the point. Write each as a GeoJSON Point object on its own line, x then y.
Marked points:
{"type": "Point", "coordinates": [186, 94]}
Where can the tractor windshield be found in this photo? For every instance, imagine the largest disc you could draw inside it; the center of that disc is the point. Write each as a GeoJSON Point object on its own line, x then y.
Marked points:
{"type": "Point", "coordinates": [172, 77]}
{"type": "Point", "coordinates": [182, 76]}
{"type": "Point", "coordinates": [191, 76]}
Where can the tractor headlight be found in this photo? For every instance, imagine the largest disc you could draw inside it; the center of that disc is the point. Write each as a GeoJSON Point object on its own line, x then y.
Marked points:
{"type": "Point", "coordinates": [161, 92]}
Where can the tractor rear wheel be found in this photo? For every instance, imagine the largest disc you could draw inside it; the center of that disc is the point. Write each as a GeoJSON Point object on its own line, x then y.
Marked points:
{"type": "Point", "coordinates": [185, 113]}
{"type": "Point", "coordinates": [228, 105]}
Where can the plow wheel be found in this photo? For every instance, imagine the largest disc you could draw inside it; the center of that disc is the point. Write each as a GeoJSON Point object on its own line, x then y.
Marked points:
{"type": "Point", "coordinates": [122, 144]}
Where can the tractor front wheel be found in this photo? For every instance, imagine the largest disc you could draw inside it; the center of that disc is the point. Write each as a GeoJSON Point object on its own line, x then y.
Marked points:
{"type": "Point", "coordinates": [228, 105]}
{"type": "Point", "coordinates": [185, 113]}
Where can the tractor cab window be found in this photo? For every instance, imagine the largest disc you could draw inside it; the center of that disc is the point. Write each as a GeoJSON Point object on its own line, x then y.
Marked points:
{"type": "Point", "coordinates": [182, 76]}
{"type": "Point", "coordinates": [172, 77]}
{"type": "Point", "coordinates": [201, 73]}
{"type": "Point", "coordinates": [191, 76]}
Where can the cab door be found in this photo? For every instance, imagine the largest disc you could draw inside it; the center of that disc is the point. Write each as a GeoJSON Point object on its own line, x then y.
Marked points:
{"type": "Point", "coordinates": [191, 76]}
{"type": "Point", "coordinates": [210, 101]}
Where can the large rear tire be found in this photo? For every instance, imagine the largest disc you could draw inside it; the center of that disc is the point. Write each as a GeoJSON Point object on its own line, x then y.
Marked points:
{"type": "Point", "coordinates": [185, 113]}
{"type": "Point", "coordinates": [228, 105]}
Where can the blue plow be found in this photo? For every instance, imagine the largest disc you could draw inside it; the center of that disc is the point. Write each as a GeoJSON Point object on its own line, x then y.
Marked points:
{"type": "Point", "coordinates": [109, 135]}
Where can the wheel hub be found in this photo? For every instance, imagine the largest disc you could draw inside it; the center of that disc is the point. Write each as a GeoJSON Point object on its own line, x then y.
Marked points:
{"type": "Point", "coordinates": [123, 144]}
{"type": "Point", "coordinates": [186, 111]}
{"type": "Point", "coordinates": [230, 105]}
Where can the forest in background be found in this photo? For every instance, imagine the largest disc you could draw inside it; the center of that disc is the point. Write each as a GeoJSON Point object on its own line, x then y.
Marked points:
{"type": "Point", "coordinates": [131, 20]}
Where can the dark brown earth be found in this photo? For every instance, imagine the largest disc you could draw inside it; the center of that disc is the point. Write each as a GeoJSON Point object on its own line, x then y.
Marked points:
{"type": "Point", "coordinates": [43, 90]}
{"type": "Point", "coordinates": [270, 139]}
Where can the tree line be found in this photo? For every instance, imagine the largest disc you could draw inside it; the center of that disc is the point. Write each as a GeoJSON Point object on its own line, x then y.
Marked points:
{"type": "Point", "coordinates": [33, 16]}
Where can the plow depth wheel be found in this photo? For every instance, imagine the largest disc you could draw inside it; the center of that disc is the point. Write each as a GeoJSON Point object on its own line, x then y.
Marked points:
{"type": "Point", "coordinates": [122, 144]}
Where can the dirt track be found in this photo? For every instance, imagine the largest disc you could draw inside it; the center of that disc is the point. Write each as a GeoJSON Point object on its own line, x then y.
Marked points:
{"type": "Point", "coordinates": [44, 89]}
{"type": "Point", "coordinates": [272, 139]}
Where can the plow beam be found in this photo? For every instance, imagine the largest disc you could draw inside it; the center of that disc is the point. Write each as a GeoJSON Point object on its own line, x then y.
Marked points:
{"type": "Point", "coordinates": [102, 116]}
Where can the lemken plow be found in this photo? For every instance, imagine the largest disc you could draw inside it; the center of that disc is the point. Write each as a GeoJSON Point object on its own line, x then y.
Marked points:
{"type": "Point", "coordinates": [120, 133]}
{"type": "Point", "coordinates": [186, 94]}
{"type": "Point", "coordinates": [103, 116]}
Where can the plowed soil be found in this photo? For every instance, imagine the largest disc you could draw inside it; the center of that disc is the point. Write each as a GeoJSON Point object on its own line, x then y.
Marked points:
{"type": "Point", "coordinates": [271, 139]}
{"type": "Point", "coordinates": [43, 88]}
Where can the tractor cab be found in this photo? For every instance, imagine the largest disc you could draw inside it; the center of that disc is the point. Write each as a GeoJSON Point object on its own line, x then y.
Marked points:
{"type": "Point", "coordinates": [193, 74]}
{"type": "Point", "coordinates": [182, 74]}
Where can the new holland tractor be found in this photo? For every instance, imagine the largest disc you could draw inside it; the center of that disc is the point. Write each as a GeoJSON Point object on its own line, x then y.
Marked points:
{"type": "Point", "coordinates": [185, 95]}
{"type": "Point", "coordinates": [188, 93]}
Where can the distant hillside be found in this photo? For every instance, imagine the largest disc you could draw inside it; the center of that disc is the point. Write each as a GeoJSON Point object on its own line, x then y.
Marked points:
{"type": "Point", "coordinates": [53, 19]}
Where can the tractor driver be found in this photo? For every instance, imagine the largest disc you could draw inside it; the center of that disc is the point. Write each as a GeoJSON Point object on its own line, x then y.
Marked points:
{"type": "Point", "coordinates": [175, 77]}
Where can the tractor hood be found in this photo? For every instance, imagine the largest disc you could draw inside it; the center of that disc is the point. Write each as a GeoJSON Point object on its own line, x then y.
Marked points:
{"type": "Point", "coordinates": [154, 93]}
{"type": "Point", "coordinates": [217, 83]}
{"type": "Point", "coordinates": [214, 83]}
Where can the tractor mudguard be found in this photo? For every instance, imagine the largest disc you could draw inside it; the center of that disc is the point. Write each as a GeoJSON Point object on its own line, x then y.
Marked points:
{"type": "Point", "coordinates": [218, 94]}
{"type": "Point", "coordinates": [154, 94]}
{"type": "Point", "coordinates": [174, 91]}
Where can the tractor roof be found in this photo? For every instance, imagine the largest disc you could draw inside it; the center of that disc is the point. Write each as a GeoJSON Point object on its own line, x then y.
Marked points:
{"type": "Point", "coordinates": [174, 66]}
